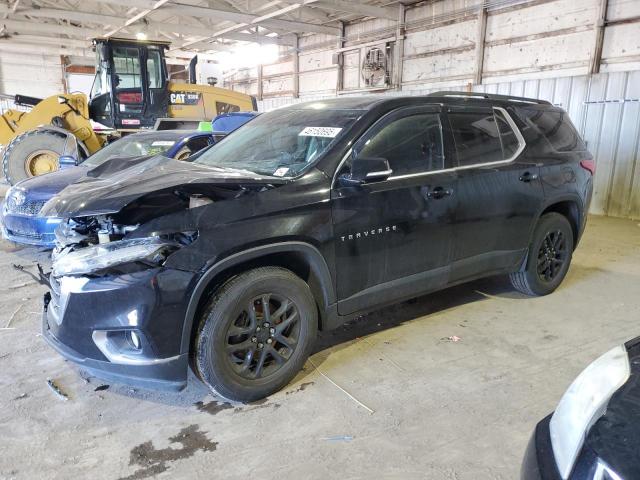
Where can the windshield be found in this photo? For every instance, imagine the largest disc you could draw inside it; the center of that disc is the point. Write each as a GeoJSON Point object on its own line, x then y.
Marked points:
{"type": "Point", "coordinates": [281, 143]}
{"type": "Point", "coordinates": [131, 146]}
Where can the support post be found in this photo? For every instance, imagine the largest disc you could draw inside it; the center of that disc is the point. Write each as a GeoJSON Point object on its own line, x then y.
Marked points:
{"type": "Point", "coordinates": [340, 60]}
{"type": "Point", "coordinates": [296, 68]}
{"type": "Point", "coordinates": [480, 39]}
{"type": "Point", "coordinates": [600, 24]}
{"type": "Point", "coordinates": [260, 81]}
{"type": "Point", "coordinates": [399, 53]}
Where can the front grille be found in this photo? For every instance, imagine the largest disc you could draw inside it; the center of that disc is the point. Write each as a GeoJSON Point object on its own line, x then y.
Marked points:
{"type": "Point", "coordinates": [30, 207]}
{"type": "Point", "coordinates": [25, 234]}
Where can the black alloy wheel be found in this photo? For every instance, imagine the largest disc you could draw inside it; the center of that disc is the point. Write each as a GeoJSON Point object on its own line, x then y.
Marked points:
{"type": "Point", "coordinates": [264, 336]}
{"type": "Point", "coordinates": [552, 255]}
{"type": "Point", "coordinates": [548, 258]}
{"type": "Point", "coordinates": [255, 334]}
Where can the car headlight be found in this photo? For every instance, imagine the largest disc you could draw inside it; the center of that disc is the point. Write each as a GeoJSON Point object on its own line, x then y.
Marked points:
{"type": "Point", "coordinates": [583, 403]}
{"type": "Point", "coordinates": [105, 255]}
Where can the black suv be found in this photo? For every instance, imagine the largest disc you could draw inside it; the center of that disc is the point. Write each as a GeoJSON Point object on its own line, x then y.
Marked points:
{"type": "Point", "coordinates": [301, 220]}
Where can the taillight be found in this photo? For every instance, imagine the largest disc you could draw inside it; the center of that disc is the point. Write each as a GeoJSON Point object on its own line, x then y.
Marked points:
{"type": "Point", "coordinates": [589, 165]}
{"type": "Point", "coordinates": [130, 97]}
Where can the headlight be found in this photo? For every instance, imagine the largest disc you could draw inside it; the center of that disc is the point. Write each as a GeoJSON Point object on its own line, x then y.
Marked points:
{"type": "Point", "coordinates": [106, 255]}
{"type": "Point", "coordinates": [583, 403]}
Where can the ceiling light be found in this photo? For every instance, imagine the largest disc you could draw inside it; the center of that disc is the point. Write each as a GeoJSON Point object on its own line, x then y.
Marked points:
{"type": "Point", "coordinates": [141, 36]}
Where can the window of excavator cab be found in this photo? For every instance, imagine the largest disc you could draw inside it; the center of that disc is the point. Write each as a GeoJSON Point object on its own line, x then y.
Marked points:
{"type": "Point", "coordinates": [222, 107]}
{"type": "Point", "coordinates": [100, 81]}
{"type": "Point", "coordinates": [126, 62]}
{"type": "Point", "coordinates": [154, 68]}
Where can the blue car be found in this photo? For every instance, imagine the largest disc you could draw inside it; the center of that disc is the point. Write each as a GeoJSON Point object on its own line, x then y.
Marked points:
{"type": "Point", "coordinates": [20, 220]}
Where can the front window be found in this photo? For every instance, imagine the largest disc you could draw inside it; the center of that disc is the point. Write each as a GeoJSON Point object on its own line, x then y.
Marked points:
{"type": "Point", "coordinates": [131, 146]}
{"type": "Point", "coordinates": [411, 144]}
{"type": "Point", "coordinates": [126, 62]}
{"type": "Point", "coordinates": [282, 143]}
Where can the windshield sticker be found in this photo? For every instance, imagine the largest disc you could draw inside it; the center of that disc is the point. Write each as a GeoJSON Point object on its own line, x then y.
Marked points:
{"type": "Point", "coordinates": [327, 132]}
{"type": "Point", "coordinates": [280, 172]}
{"type": "Point", "coordinates": [162, 143]}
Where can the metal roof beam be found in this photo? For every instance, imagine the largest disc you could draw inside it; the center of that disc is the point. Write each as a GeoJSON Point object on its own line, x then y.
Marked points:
{"type": "Point", "coordinates": [358, 9]}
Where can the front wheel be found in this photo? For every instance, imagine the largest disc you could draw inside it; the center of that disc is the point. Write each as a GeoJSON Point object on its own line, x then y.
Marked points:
{"type": "Point", "coordinates": [32, 153]}
{"type": "Point", "coordinates": [255, 334]}
{"type": "Point", "coordinates": [549, 256]}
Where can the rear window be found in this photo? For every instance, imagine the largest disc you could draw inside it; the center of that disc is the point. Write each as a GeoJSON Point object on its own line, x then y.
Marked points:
{"type": "Point", "coordinates": [557, 129]}
{"type": "Point", "coordinates": [482, 137]}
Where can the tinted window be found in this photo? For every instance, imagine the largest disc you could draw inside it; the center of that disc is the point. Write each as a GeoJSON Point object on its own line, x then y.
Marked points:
{"type": "Point", "coordinates": [508, 137]}
{"type": "Point", "coordinates": [482, 137]}
{"type": "Point", "coordinates": [222, 107]}
{"type": "Point", "coordinates": [197, 143]}
{"type": "Point", "coordinates": [411, 144]}
{"type": "Point", "coordinates": [557, 129]}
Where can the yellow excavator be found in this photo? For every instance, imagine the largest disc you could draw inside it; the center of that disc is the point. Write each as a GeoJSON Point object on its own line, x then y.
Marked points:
{"type": "Point", "coordinates": [131, 91]}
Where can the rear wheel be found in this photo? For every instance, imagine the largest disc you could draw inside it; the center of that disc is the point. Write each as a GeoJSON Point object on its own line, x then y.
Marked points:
{"type": "Point", "coordinates": [255, 334]}
{"type": "Point", "coordinates": [549, 256]}
{"type": "Point", "coordinates": [32, 153]}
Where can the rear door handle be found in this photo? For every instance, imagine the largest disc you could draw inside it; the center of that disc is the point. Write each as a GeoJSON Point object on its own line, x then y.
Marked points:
{"type": "Point", "coordinates": [527, 177]}
{"type": "Point", "coordinates": [439, 192]}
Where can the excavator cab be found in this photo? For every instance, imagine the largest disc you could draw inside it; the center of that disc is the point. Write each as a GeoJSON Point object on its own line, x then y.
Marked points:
{"type": "Point", "coordinates": [130, 88]}
{"type": "Point", "coordinates": [131, 91]}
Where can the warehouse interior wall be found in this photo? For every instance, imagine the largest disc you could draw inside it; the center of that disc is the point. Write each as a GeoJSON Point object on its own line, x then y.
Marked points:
{"type": "Point", "coordinates": [583, 56]}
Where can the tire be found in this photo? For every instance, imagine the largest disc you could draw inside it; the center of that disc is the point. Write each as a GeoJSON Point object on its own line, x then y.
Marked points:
{"type": "Point", "coordinates": [19, 149]}
{"type": "Point", "coordinates": [230, 345]}
{"type": "Point", "coordinates": [183, 153]}
{"type": "Point", "coordinates": [549, 256]}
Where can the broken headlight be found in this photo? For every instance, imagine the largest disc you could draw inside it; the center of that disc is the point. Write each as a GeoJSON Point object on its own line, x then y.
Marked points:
{"type": "Point", "coordinates": [98, 257]}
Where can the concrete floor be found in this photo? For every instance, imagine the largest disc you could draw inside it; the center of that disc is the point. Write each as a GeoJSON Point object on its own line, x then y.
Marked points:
{"type": "Point", "coordinates": [441, 409]}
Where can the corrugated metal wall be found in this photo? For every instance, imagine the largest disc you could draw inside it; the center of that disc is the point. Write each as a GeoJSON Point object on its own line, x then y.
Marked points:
{"type": "Point", "coordinates": [606, 110]}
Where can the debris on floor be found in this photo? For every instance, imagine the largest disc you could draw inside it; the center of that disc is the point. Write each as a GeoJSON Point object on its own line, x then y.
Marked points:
{"type": "Point", "coordinates": [452, 338]}
{"type": "Point", "coordinates": [13, 315]}
{"type": "Point", "coordinates": [100, 388]}
{"type": "Point", "coordinates": [339, 438]}
{"type": "Point", "coordinates": [56, 389]}
{"type": "Point", "coordinates": [371, 411]}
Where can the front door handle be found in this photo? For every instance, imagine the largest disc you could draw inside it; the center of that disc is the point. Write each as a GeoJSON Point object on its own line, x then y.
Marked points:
{"type": "Point", "coordinates": [527, 177]}
{"type": "Point", "coordinates": [439, 192]}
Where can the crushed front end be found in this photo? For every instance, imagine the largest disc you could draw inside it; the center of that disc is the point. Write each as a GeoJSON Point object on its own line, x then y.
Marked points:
{"type": "Point", "coordinates": [114, 308]}
{"type": "Point", "coordinates": [127, 258]}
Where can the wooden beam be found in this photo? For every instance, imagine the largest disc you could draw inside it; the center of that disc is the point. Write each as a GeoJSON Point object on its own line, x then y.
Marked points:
{"type": "Point", "coordinates": [481, 33]}
{"type": "Point", "coordinates": [600, 24]}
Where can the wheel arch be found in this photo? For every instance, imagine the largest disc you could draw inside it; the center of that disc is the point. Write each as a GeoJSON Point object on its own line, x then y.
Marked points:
{"type": "Point", "coordinates": [302, 258]}
{"type": "Point", "coordinates": [571, 208]}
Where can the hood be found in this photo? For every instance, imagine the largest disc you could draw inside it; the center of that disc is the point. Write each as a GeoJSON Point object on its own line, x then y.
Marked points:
{"type": "Point", "coordinates": [46, 186]}
{"type": "Point", "coordinates": [116, 183]}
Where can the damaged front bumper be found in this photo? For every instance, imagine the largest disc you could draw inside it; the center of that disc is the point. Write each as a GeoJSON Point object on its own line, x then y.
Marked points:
{"type": "Point", "coordinates": [126, 328]}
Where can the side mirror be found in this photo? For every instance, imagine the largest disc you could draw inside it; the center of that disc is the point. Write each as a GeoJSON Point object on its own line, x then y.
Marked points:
{"type": "Point", "coordinates": [67, 161]}
{"type": "Point", "coordinates": [366, 170]}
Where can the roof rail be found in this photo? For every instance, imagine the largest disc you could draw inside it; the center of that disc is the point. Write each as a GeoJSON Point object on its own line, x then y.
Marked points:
{"type": "Point", "coordinates": [489, 96]}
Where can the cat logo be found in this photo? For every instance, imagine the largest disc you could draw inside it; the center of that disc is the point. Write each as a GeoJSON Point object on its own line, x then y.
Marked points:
{"type": "Point", "coordinates": [184, 98]}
